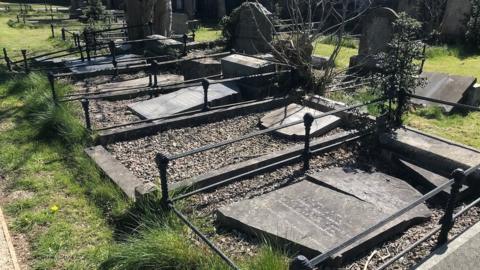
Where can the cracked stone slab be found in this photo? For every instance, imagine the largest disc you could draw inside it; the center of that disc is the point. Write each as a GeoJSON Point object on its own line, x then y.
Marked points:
{"type": "Point", "coordinates": [328, 208]}
{"type": "Point", "coordinates": [295, 112]}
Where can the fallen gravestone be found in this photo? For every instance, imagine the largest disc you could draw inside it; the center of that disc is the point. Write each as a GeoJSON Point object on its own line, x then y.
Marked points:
{"type": "Point", "coordinates": [254, 30]}
{"type": "Point", "coordinates": [185, 99]}
{"type": "Point", "coordinates": [295, 112]}
{"type": "Point", "coordinates": [377, 31]}
{"type": "Point", "coordinates": [318, 214]}
{"type": "Point", "coordinates": [158, 45]}
{"type": "Point", "coordinates": [455, 17]}
{"type": "Point", "coordinates": [451, 88]}
{"type": "Point", "coordinates": [430, 180]}
{"type": "Point", "coordinates": [201, 68]}
{"type": "Point", "coordinates": [439, 155]}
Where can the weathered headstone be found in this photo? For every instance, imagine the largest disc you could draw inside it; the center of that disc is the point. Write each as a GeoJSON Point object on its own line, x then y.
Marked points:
{"type": "Point", "coordinates": [330, 207]}
{"type": "Point", "coordinates": [295, 112]}
{"type": "Point", "coordinates": [451, 88]}
{"type": "Point", "coordinates": [162, 17]}
{"type": "Point", "coordinates": [377, 32]}
{"type": "Point", "coordinates": [254, 30]}
{"type": "Point", "coordinates": [185, 99]}
{"type": "Point", "coordinates": [139, 13]}
{"type": "Point", "coordinates": [454, 19]}
{"type": "Point", "coordinates": [201, 68]}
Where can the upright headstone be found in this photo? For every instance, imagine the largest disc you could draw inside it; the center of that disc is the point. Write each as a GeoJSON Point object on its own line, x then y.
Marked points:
{"type": "Point", "coordinates": [179, 23]}
{"type": "Point", "coordinates": [377, 32]}
{"type": "Point", "coordinates": [254, 30]}
{"type": "Point", "coordinates": [454, 20]}
{"type": "Point", "coordinates": [139, 13]}
{"type": "Point", "coordinates": [162, 17]}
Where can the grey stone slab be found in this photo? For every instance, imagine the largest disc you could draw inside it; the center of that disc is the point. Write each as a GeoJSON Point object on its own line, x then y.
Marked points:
{"type": "Point", "coordinates": [159, 44]}
{"type": "Point", "coordinates": [295, 112]}
{"type": "Point", "coordinates": [119, 174]}
{"type": "Point", "coordinates": [237, 65]}
{"type": "Point", "coordinates": [430, 180]}
{"type": "Point", "coordinates": [200, 68]}
{"type": "Point", "coordinates": [184, 100]}
{"type": "Point", "coordinates": [438, 155]}
{"type": "Point", "coordinates": [162, 79]}
{"type": "Point", "coordinates": [103, 63]}
{"type": "Point", "coordinates": [462, 253]}
{"type": "Point", "coordinates": [334, 206]}
{"type": "Point", "coordinates": [442, 86]}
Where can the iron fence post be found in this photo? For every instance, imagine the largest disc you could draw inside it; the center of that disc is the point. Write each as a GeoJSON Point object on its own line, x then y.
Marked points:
{"type": "Point", "coordinates": [51, 80]}
{"type": "Point", "coordinates": [53, 30]}
{"type": "Point", "coordinates": [162, 163]}
{"type": "Point", "coordinates": [150, 27]}
{"type": "Point", "coordinates": [80, 48]}
{"type": "Point", "coordinates": [111, 45]}
{"type": "Point", "coordinates": [193, 34]}
{"type": "Point", "coordinates": [63, 33]}
{"type": "Point", "coordinates": [87, 47]}
{"type": "Point", "coordinates": [307, 122]}
{"type": "Point", "coordinates": [25, 61]}
{"type": "Point", "coordinates": [154, 73]}
{"type": "Point", "coordinates": [447, 219]}
{"type": "Point", "coordinates": [85, 106]}
{"type": "Point", "coordinates": [185, 40]}
{"type": "Point", "coordinates": [7, 59]}
{"type": "Point", "coordinates": [205, 85]}
{"type": "Point", "coordinates": [18, 19]}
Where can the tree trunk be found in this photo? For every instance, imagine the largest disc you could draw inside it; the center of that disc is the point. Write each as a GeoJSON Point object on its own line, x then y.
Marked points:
{"type": "Point", "coordinates": [162, 19]}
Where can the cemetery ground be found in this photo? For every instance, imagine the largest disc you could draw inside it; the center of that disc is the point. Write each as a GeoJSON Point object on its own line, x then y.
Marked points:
{"type": "Point", "coordinates": [64, 214]}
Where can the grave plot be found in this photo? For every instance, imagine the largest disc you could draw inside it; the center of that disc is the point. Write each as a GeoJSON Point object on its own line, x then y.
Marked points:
{"type": "Point", "coordinates": [138, 155]}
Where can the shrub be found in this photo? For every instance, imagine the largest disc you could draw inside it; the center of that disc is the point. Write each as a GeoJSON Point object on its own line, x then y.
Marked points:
{"type": "Point", "coordinates": [472, 35]}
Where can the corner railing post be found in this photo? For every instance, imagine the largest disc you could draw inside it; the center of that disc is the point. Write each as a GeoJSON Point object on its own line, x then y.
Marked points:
{"type": "Point", "coordinates": [63, 34]}
{"type": "Point", "coordinates": [447, 219]}
{"type": "Point", "coordinates": [7, 59]}
{"type": "Point", "coordinates": [162, 163]}
{"type": "Point", "coordinates": [111, 45]}
{"type": "Point", "coordinates": [25, 61]}
{"type": "Point", "coordinates": [80, 50]}
{"type": "Point", "coordinates": [155, 73]}
{"type": "Point", "coordinates": [53, 30]}
{"type": "Point", "coordinates": [307, 122]}
{"type": "Point", "coordinates": [205, 85]}
{"type": "Point", "coordinates": [185, 40]}
{"type": "Point", "coordinates": [87, 45]}
{"type": "Point", "coordinates": [86, 110]}
{"type": "Point", "coordinates": [51, 80]}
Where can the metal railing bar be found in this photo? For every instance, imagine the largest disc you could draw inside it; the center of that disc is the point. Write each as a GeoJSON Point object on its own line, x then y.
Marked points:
{"type": "Point", "coordinates": [203, 237]}
{"type": "Point", "coordinates": [322, 257]}
{"type": "Point", "coordinates": [468, 107]}
{"type": "Point", "coordinates": [258, 170]}
{"type": "Point", "coordinates": [423, 239]}
{"type": "Point", "coordinates": [268, 130]}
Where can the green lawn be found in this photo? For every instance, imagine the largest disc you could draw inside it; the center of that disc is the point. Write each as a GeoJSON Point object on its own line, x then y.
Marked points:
{"type": "Point", "coordinates": [207, 33]}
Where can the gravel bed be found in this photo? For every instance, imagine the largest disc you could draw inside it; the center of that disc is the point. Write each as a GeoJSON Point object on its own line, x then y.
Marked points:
{"type": "Point", "coordinates": [139, 155]}
{"type": "Point", "coordinates": [104, 113]}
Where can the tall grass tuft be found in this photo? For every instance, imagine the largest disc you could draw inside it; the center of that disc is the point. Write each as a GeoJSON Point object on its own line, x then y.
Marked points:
{"type": "Point", "coordinates": [50, 121]}
{"type": "Point", "coordinates": [269, 258]}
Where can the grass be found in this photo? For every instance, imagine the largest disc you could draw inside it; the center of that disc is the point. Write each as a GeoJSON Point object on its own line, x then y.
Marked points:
{"type": "Point", "coordinates": [208, 33]}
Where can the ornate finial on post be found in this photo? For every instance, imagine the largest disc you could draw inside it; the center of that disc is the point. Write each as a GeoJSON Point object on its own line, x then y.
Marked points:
{"type": "Point", "coordinates": [300, 263]}
{"type": "Point", "coordinates": [162, 163]}
{"type": "Point", "coordinates": [307, 122]}
{"type": "Point", "coordinates": [205, 85]}
{"type": "Point", "coordinates": [86, 105]}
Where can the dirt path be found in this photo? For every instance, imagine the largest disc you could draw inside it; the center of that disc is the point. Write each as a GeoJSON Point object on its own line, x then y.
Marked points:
{"type": "Point", "coordinates": [8, 259]}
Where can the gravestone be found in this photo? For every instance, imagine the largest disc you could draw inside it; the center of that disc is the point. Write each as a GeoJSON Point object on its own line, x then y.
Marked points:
{"type": "Point", "coordinates": [454, 19]}
{"type": "Point", "coordinates": [201, 68]}
{"type": "Point", "coordinates": [162, 17]}
{"type": "Point", "coordinates": [237, 65]}
{"type": "Point", "coordinates": [185, 99]}
{"type": "Point", "coordinates": [329, 208]}
{"type": "Point", "coordinates": [377, 32]}
{"type": "Point", "coordinates": [451, 88]}
{"type": "Point", "coordinates": [254, 30]}
{"type": "Point", "coordinates": [158, 44]}
{"type": "Point", "coordinates": [295, 112]}
{"type": "Point", "coordinates": [439, 155]}
{"type": "Point", "coordinates": [179, 23]}
{"type": "Point", "coordinates": [138, 14]}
